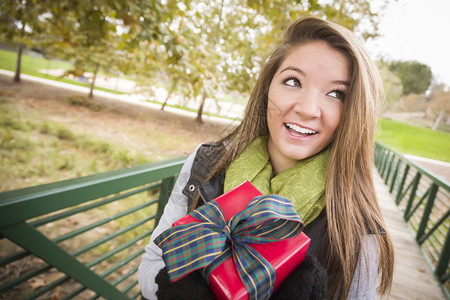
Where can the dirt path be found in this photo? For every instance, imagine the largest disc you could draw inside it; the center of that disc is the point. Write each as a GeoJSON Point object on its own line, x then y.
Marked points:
{"type": "Point", "coordinates": [118, 114]}
{"type": "Point", "coordinates": [38, 90]}
{"type": "Point", "coordinates": [115, 114]}
{"type": "Point", "coordinates": [136, 131]}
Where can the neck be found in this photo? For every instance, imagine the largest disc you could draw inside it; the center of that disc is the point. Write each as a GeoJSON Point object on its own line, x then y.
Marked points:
{"type": "Point", "coordinates": [280, 165]}
{"type": "Point", "coordinates": [279, 162]}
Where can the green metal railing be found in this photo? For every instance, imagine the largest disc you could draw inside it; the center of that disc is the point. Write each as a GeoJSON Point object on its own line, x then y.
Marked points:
{"type": "Point", "coordinates": [82, 238]}
{"type": "Point", "coordinates": [424, 200]}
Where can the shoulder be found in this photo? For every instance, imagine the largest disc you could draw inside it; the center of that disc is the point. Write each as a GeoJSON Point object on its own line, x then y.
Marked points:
{"type": "Point", "coordinates": [209, 152]}
{"type": "Point", "coordinates": [206, 157]}
{"type": "Point", "coordinates": [204, 160]}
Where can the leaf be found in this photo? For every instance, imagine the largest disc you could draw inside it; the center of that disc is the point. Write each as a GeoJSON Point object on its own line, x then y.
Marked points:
{"type": "Point", "coordinates": [36, 283]}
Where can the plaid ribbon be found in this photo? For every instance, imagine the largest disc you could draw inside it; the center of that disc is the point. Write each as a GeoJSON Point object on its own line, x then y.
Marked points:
{"type": "Point", "coordinates": [192, 246]}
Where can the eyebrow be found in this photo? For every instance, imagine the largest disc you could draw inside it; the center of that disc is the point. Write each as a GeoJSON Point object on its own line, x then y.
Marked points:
{"type": "Point", "coordinates": [300, 71]}
{"type": "Point", "coordinates": [289, 68]}
{"type": "Point", "coordinates": [343, 82]}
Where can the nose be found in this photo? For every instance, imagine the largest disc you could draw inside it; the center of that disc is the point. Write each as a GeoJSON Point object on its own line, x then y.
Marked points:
{"type": "Point", "coordinates": [308, 104]}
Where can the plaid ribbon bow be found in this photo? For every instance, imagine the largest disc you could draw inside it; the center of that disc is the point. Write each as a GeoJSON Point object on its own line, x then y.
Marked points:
{"type": "Point", "coordinates": [192, 246]}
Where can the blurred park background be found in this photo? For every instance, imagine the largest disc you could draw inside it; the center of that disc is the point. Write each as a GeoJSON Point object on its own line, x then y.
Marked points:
{"type": "Point", "coordinates": [92, 86]}
{"type": "Point", "coordinates": [197, 56]}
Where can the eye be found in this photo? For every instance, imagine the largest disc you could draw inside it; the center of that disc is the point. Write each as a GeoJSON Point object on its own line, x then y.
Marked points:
{"type": "Point", "coordinates": [338, 94]}
{"type": "Point", "coordinates": [292, 81]}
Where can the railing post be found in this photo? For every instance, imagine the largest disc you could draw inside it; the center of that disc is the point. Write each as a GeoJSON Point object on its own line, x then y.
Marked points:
{"type": "Point", "coordinates": [166, 189]}
{"type": "Point", "coordinates": [402, 184]}
{"type": "Point", "coordinates": [377, 156]}
{"type": "Point", "coordinates": [394, 177]}
{"type": "Point", "coordinates": [430, 217]}
{"type": "Point", "coordinates": [426, 212]}
{"type": "Point", "coordinates": [384, 163]}
{"type": "Point", "coordinates": [389, 168]}
{"type": "Point", "coordinates": [412, 195]}
{"type": "Point", "coordinates": [31, 239]}
{"type": "Point", "coordinates": [443, 261]}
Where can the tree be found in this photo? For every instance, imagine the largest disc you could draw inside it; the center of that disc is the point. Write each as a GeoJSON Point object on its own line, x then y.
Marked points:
{"type": "Point", "coordinates": [357, 15]}
{"type": "Point", "coordinates": [393, 88]}
{"type": "Point", "coordinates": [439, 103]}
{"type": "Point", "coordinates": [209, 50]}
{"type": "Point", "coordinates": [87, 32]}
{"type": "Point", "coordinates": [199, 47]}
{"type": "Point", "coordinates": [415, 76]}
{"type": "Point", "coordinates": [92, 34]}
{"type": "Point", "coordinates": [19, 21]}
{"type": "Point", "coordinates": [238, 35]}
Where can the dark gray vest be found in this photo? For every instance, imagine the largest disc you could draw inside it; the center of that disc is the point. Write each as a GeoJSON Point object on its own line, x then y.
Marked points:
{"type": "Point", "coordinates": [204, 162]}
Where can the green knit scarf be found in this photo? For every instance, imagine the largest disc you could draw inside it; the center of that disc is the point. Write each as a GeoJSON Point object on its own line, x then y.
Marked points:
{"type": "Point", "coordinates": [303, 184]}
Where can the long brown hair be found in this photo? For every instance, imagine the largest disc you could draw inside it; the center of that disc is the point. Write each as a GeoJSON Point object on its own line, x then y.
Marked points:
{"type": "Point", "coordinates": [352, 207]}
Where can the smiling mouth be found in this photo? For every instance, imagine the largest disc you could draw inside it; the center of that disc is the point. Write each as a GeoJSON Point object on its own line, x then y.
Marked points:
{"type": "Point", "coordinates": [298, 130]}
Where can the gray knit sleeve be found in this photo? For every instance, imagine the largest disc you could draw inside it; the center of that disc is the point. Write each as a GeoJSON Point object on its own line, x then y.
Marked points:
{"type": "Point", "coordinates": [152, 262]}
{"type": "Point", "coordinates": [364, 284]}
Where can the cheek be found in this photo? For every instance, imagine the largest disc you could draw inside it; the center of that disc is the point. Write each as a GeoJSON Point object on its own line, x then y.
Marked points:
{"type": "Point", "coordinates": [274, 107]}
{"type": "Point", "coordinates": [333, 117]}
{"type": "Point", "coordinates": [279, 101]}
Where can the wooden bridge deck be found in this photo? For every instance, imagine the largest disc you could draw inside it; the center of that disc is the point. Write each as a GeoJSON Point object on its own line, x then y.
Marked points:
{"type": "Point", "coordinates": [413, 278]}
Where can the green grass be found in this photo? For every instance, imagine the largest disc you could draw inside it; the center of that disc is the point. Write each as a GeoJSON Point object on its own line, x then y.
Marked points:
{"type": "Point", "coordinates": [38, 145]}
{"type": "Point", "coordinates": [35, 151]}
{"type": "Point", "coordinates": [32, 65]}
{"type": "Point", "coordinates": [415, 140]}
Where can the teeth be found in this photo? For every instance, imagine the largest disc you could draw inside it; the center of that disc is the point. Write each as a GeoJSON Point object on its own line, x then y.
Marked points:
{"type": "Point", "coordinates": [300, 129]}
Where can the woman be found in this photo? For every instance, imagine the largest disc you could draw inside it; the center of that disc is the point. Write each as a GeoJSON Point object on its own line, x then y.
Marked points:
{"type": "Point", "coordinates": [308, 134]}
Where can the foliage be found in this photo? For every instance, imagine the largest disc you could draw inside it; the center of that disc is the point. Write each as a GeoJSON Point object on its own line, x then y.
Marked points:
{"type": "Point", "coordinates": [88, 32]}
{"type": "Point", "coordinates": [392, 85]}
{"type": "Point", "coordinates": [91, 33]}
{"type": "Point", "coordinates": [360, 16]}
{"type": "Point", "coordinates": [415, 76]}
{"type": "Point", "coordinates": [416, 140]}
{"type": "Point", "coordinates": [434, 106]}
{"type": "Point", "coordinates": [440, 99]}
{"type": "Point", "coordinates": [199, 48]}
{"type": "Point", "coordinates": [207, 57]}
{"type": "Point", "coordinates": [19, 22]}
{"type": "Point", "coordinates": [219, 46]}
{"type": "Point", "coordinates": [412, 103]}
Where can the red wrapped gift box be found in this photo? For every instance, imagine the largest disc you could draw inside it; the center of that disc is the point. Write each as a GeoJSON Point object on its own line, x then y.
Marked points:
{"type": "Point", "coordinates": [284, 255]}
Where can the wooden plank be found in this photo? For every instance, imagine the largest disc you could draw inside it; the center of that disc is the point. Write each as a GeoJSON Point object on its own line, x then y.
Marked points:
{"type": "Point", "coordinates": [413, 278]}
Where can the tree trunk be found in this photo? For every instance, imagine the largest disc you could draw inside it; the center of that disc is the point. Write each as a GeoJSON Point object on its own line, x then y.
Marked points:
{"type": "Point", "coordinates": [172, 88]}
{"type": "Point", "coordinates": [200, 109]}
{"type": "Point", "coordinates": [438, 120]}
{"type": "Point", "coordinates": [91, 92]}
{"type": "Point", "coordinates": [19, 62]}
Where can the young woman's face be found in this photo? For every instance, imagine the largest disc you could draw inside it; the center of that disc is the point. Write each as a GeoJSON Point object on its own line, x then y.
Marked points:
{"type": "Point", "coordinates": [305, 105]}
